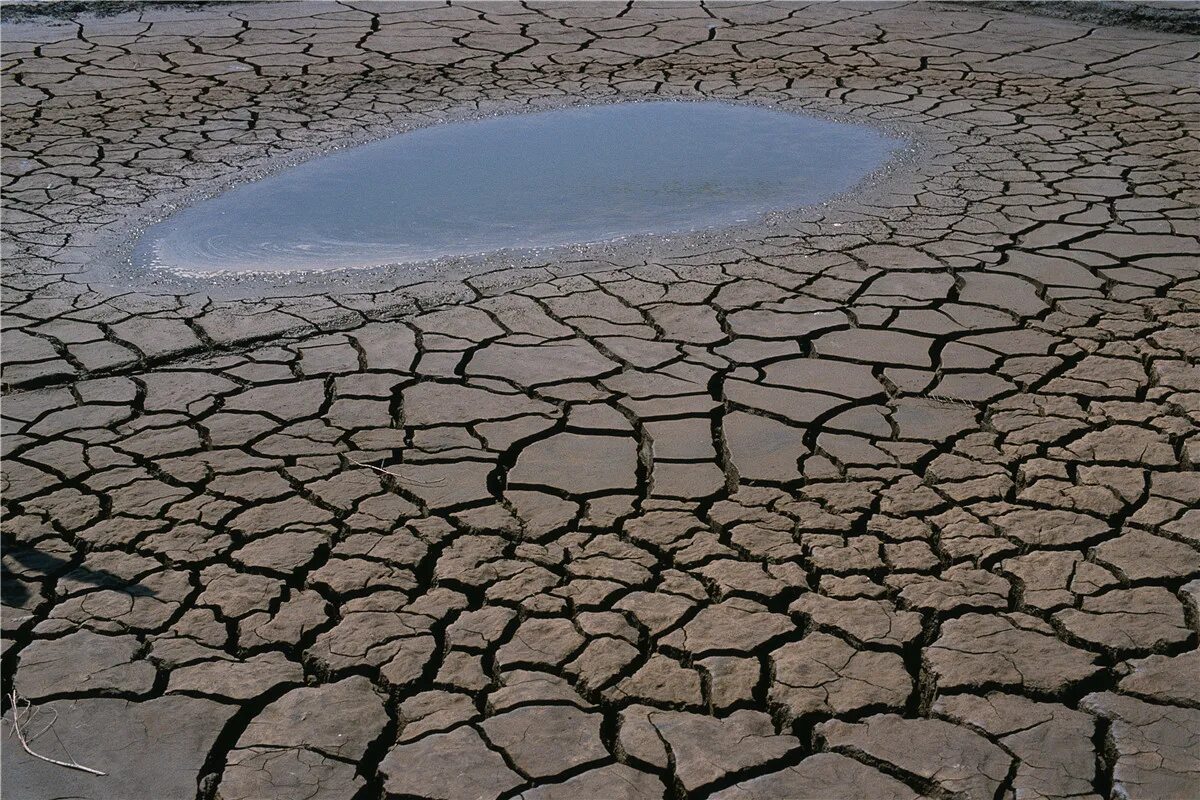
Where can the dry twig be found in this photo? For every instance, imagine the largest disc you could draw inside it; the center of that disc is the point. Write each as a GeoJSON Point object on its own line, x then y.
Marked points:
{"type": "Point", "coordinates": [22, 719]}
{"type": "Point", "coordinates": [958, 401]}
{"type": "Point", "coordinates": [400, 478]}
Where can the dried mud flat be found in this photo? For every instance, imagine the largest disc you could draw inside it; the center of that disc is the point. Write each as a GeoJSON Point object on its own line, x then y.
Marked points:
{"type": "Point", "coordinates": [894, 500]}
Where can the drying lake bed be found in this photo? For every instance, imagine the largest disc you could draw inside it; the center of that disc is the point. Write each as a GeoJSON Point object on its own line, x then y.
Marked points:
{"type": "Point", "coordinates": [630, 401]}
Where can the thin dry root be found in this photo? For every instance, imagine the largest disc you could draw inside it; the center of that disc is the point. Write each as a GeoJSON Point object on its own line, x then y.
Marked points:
{"type": "Point", "coordinates": [400, 478]}
{"type": "Point", "coordinates": [22, 718]}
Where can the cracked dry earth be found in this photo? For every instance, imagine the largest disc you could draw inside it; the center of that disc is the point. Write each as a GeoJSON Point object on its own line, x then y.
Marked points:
{"type": "Point", "coordinates": [896, 501]}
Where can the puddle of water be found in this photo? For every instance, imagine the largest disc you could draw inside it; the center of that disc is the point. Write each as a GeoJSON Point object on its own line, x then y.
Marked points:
{"type": "Point", "coordinates": [535, 180]}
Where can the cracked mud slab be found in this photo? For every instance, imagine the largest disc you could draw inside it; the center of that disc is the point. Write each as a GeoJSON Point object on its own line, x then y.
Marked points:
{"type": "Point", "coordinates": [892, 498]}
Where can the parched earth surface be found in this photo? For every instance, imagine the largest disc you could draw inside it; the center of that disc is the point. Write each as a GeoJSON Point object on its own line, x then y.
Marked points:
{"type": "Point", "coordinates": [896, 501]}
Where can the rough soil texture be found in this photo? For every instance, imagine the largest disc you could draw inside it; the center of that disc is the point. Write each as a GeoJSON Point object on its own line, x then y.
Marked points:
{"type": "Point", "coordinates": [896, 502]}
{"type": "Point", "coordinates": [1175, 16]}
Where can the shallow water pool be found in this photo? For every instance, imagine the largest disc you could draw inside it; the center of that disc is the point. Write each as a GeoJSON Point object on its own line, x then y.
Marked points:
{"type": "Point", "coordinates": [534, 180]}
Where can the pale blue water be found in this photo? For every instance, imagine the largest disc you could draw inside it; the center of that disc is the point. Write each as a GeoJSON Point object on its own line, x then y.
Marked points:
{"type": "Point", "coordinates": [545, 179]}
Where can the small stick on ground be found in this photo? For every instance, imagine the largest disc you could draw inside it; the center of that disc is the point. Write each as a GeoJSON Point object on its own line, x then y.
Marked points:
{"type": "Point", "coordinates": [21, 719]}
{"type": "Point", "coordinates": [400, 478]}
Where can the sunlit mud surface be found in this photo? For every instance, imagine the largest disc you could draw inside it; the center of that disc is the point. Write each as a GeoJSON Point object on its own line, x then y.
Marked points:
{"type": "Point", "coordinates": [892, 496]}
